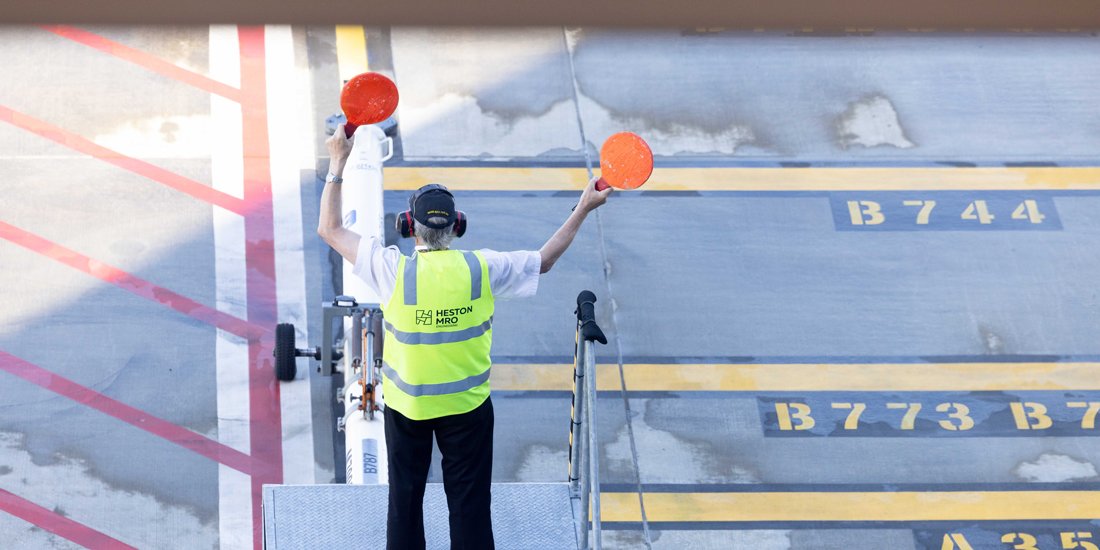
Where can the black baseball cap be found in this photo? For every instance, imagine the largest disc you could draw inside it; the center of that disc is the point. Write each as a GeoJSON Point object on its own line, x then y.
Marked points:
{"type": "Point", "coordinates": [434, 201]}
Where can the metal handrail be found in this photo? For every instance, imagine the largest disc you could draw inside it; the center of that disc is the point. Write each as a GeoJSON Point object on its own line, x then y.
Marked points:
{"type": "Point", "coordinates": [584, 449]}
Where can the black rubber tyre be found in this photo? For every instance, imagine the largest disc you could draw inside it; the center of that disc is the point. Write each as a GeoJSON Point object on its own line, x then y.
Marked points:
{"type": "Point", "coordinates": [286, 367]}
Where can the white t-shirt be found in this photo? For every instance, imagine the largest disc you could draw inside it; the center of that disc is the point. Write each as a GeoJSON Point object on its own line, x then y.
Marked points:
{"type": "Point", "coordinates": [511, 274]}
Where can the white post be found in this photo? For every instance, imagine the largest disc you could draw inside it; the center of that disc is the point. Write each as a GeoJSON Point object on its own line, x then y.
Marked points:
{"type": "Point", "coordinates": [364, 439]}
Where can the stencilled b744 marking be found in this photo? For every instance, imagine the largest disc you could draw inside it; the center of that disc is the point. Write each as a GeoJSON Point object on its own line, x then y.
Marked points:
{"type": "Point", "coordinates": [944, 211]}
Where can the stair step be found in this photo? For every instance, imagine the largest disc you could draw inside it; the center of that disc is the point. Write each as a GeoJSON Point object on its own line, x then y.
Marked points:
{"type": "Point", "coordinates": [526, 516]}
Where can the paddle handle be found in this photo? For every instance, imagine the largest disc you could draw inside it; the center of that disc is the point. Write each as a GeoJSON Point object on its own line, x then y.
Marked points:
{"type": "Point", "coordinates": [349, 129]}
{"type": "Point", "coordinates": [600, 186]}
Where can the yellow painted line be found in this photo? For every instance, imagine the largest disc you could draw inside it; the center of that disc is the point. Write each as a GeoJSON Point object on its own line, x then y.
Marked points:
{"type": "Point", "coordinates": [757, 179]}
{"type": "Point", "coordinates": [810, 377]}
{"type": "Point", "coordinates": [544, 377]}
{"type": "Point", "coordinates": [351, 51]}
{"type": "Point", "coordinates": [486, 179]}
{"type": "Point", "coordinates": [855, 506]}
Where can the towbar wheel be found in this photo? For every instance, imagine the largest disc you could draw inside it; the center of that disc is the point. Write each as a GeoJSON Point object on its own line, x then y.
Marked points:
{"type": "Point", "coordinates": [285, 353]}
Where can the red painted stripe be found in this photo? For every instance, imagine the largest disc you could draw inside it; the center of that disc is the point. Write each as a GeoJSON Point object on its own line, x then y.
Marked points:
{"type": "Point", "coordinates": [146, 60]}
{"type": "Point", "coordinates": [56, 523]}
{"type": "Point", "coordinates": [140, 167]}
{"type": "Point", "coordinates": [140, 419]}
{"type": "Point", "coordinates": [264, 409]}
{"type": "Point", "coordinates": [131, 283]}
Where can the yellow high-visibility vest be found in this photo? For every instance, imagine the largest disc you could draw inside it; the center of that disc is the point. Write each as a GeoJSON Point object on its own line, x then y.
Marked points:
{"type": "Point", "coordinates": [439, 329]}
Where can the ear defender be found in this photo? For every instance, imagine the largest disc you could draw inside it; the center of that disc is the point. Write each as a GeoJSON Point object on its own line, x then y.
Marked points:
{"type": "Point", "coordinates": [404, 224]}
{"type": "Point", "coordinates": [460, 223]}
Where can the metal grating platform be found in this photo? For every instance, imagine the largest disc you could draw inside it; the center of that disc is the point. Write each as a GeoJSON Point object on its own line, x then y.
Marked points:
{"type": "Point", "coordinates": [526, 516]}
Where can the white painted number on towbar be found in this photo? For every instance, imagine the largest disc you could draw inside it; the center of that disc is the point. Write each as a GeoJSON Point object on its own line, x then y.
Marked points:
{"type": "Point", "coordinates": [370, 460]}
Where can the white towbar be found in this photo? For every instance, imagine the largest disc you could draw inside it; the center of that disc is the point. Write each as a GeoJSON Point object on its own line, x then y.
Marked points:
{"type": "Point", "coordinates": [363, 212]}
{"type": "Point", "coordinates": [361, 319]}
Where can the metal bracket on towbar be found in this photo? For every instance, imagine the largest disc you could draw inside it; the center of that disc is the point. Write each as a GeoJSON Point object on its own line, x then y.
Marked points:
{"type": "Point", "coordinates": [342, 306]}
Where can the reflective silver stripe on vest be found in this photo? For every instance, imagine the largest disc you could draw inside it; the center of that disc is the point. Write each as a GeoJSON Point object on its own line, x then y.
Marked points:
{"type": "Point", "coordinates": [410, 281]}
{"type": "Point", "coordinates": [475, 277]}
{"type": "Point", "coordinates": [431, 338]}
{"type": "Point", "coordinates": [475, 274]}
{"type": "Point", "coordinates": [419, 390]}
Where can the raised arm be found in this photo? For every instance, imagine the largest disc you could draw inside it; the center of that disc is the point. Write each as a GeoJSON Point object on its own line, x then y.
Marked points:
{"type": "Point", "coordinates": [563, 237]}
{"type": "Point", "coordinates": [330, 226]}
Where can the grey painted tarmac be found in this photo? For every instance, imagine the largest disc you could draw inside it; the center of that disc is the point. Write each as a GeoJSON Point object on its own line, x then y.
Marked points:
{"type": "Point", "coordinates": [751, 96]}
{"type": "Point", "coordinates": [110, 475]}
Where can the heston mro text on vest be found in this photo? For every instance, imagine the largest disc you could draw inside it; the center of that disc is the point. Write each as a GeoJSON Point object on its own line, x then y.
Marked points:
{"type": "Point", "coordinates": [442, 317]}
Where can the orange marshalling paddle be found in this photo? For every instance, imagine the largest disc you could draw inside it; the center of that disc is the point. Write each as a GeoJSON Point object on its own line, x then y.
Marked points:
{"type": "Point", "coordinates": [368, 98]}
{"type": "Point", "coordinates": [626, 162]}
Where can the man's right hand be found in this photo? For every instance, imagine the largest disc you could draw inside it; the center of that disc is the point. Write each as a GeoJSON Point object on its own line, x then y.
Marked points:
{"type": "Point", "coordinates": [592, 199]}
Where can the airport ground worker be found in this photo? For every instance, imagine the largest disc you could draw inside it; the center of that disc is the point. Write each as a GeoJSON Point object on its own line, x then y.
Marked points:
{"type": "Point", "coordinates": [438, 307]}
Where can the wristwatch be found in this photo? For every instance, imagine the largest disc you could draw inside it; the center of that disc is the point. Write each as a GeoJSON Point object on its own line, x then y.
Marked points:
{"type": "Point", "coordinates": [333, 178]}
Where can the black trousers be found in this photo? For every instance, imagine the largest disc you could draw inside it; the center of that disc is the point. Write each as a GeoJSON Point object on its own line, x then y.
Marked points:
{"type": "Point", "coordinates": [466, 441]}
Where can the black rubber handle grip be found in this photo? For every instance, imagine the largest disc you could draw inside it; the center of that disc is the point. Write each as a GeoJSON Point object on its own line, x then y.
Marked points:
{"type": "Point", "coordinates": [586, 316]}
{"type": "Point", "coordinates": [586, 306]}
